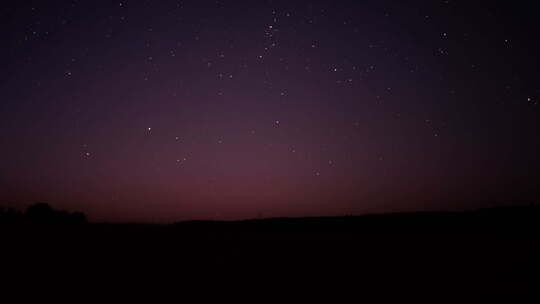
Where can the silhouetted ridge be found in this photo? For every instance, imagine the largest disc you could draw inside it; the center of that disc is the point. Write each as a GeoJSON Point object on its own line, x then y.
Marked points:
{"type": "Point", "coordinates": [506, 218]}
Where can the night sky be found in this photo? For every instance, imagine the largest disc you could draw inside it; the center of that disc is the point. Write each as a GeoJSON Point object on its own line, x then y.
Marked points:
{"type": "Point", "coordinates": [172, 110]}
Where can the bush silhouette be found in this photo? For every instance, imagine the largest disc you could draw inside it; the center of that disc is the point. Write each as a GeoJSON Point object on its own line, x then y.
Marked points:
{"type": "Point", "coordinates": [41, 213]}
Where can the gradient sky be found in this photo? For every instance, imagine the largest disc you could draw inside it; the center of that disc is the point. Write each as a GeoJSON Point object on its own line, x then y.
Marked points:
{"type": "Point", "coordinates": [174, 110]}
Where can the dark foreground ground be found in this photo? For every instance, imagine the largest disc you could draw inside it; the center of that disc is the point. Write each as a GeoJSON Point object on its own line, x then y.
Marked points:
{"type": "Point", "coordinates": [487, 253]}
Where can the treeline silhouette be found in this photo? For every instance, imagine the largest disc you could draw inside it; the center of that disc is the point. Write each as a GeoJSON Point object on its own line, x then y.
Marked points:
{"type": "Point", "coordinates": [486, 251]}
{"type": "Point", "coordinates": [40, 213]}
{"type": "Point", "coordinates": [512, 217]}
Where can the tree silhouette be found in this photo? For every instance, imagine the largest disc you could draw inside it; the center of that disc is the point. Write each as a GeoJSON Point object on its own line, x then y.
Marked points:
{"type": "Point", "coordinates": [41, 213]}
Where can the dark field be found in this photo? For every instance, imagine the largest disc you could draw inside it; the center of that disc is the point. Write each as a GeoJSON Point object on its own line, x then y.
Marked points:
{"type": "Point", "coordinates": [484, 253]}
